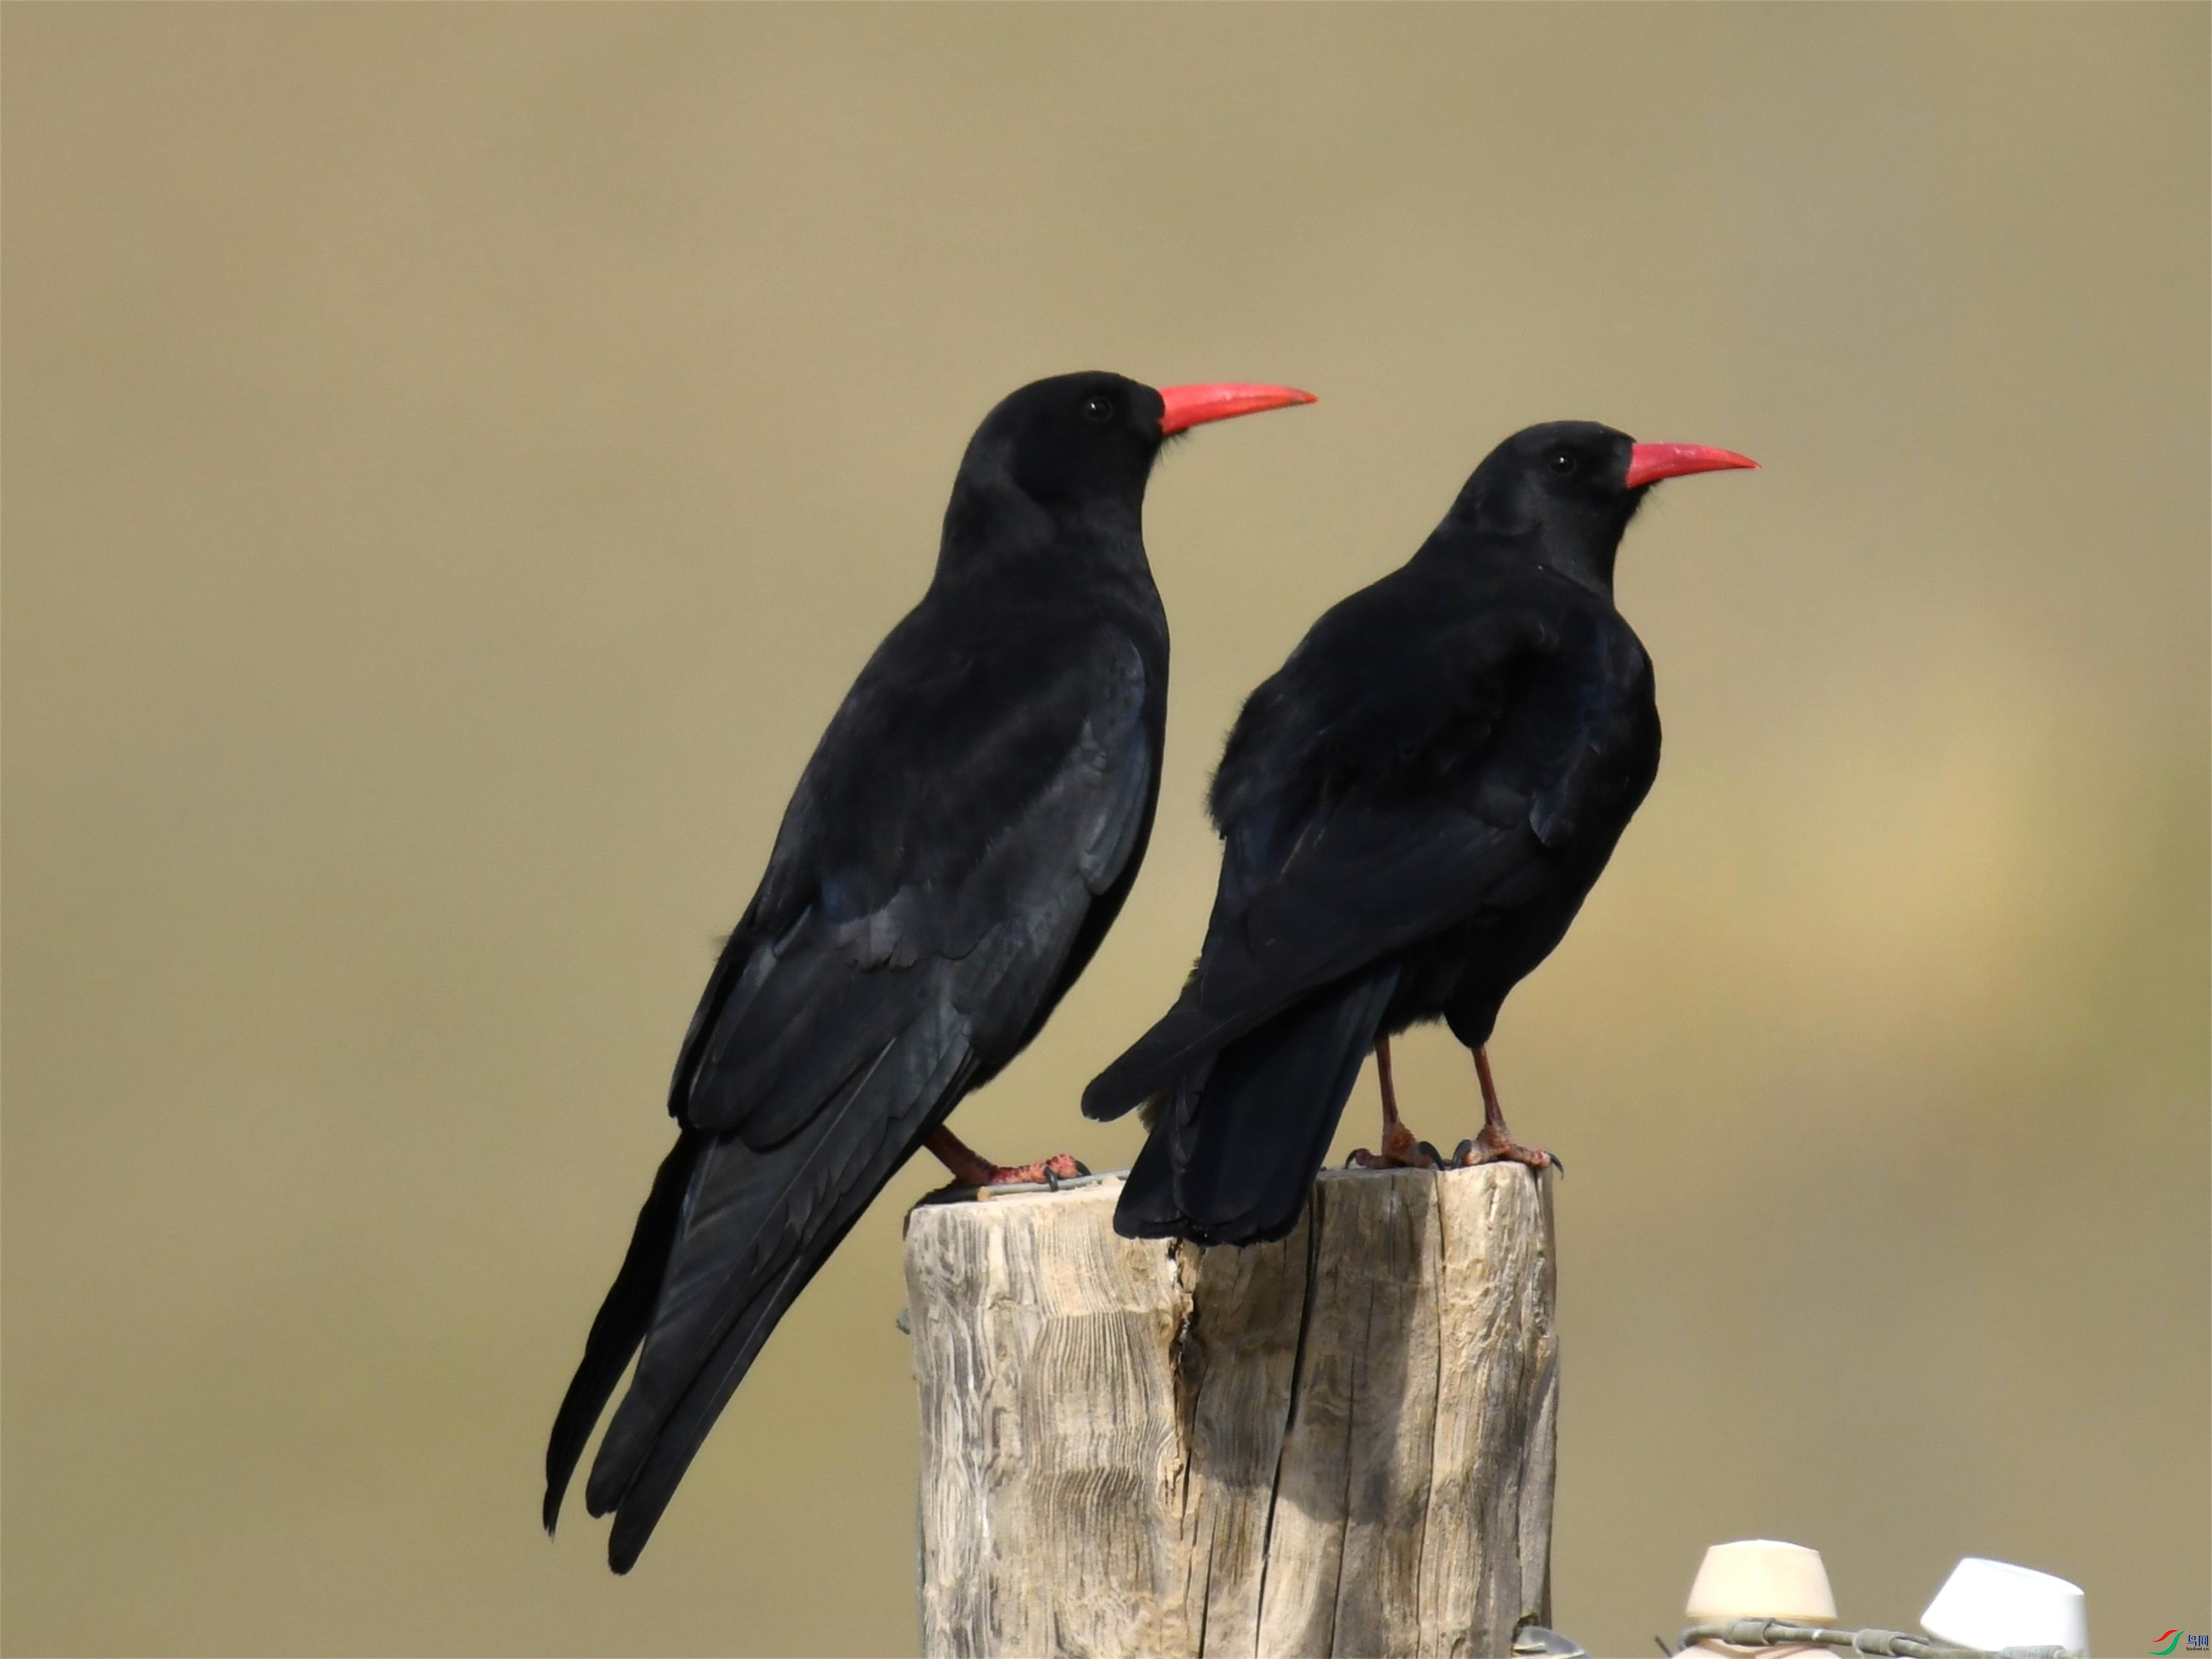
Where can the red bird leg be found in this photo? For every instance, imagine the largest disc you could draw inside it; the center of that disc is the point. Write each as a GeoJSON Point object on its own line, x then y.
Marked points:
{"type": "Point", "coordinates": [1399, 1150]}
{"type": "Point", "coordinates": [1496, 1145]}
{"type": "Point", "coordinates": [971, 1169]}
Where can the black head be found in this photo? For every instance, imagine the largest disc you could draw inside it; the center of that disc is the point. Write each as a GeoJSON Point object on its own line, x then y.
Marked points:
{"type": "Point", "coordinates": [1567, 489]}
{"type": "Point", "coordinates": [1073, 439]}
{"type": "Point", "coordinates": [1081, 446]}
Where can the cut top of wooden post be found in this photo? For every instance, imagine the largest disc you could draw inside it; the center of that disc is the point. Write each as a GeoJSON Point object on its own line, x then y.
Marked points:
{"type": "Point", "coordinates": [1342, 1444]}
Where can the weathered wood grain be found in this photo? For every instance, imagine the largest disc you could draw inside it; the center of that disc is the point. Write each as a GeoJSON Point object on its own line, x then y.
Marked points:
{"type": "Point", "coordinates": [1340, 1444]}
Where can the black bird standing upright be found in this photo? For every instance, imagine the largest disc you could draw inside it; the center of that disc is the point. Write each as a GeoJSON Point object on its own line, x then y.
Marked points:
{"type": "Point", "coordinates": [1412, 810]}
{"type": "Point", "coordinates": [956, 849]}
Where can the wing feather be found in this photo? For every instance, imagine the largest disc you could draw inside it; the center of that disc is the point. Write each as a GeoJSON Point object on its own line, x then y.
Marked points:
{"type": "Point", "coordinates": [1355, 825]}
{"type": "Point", "coordinates": [852, 1007]}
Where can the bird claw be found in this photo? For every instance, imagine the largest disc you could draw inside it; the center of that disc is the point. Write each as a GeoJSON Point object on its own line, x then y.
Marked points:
{"type": "Point", "coordinates": [1482, 1149]}
{"type": "Point", "coordinates": [1045, 1172]}
{"type": "Point", "coordinates": [1400, 1152]}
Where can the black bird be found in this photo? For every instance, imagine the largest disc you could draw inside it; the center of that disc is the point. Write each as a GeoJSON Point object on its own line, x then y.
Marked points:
{"type": "Point", "coordinates": [956, 847]}
{"type": "Point", "coordinates": [1412, 810]}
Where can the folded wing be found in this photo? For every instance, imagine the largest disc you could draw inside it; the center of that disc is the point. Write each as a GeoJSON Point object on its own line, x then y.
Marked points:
{"type": "Point", "coordinates": [930, 893]}
{"type": "Point", "coordinates": [1346, 840]}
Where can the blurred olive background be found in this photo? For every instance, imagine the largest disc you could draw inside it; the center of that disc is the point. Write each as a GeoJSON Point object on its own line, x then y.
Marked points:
{"type": "Point", "coordinates": [456, 459]}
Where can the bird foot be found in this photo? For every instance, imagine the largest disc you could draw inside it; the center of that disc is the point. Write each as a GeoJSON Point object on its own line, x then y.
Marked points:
{"type": "Point", "coordinates": [1045, 1172]}
{"type": "Point", "coordinates": [971, 1170]}
{"type": "Point", "coordinates": [970, 1175]}
{"type": "Point", "coordinates": [1400, 1152]}
{"type": "Point", "coordinates": [1491, 1147]}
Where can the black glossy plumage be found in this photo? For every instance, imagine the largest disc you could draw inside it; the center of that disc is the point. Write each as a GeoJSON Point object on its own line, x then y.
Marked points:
{"type": "Point", "coordinates": [1412, 810]}
{"type": "Point", "coordinates": [956, 847]}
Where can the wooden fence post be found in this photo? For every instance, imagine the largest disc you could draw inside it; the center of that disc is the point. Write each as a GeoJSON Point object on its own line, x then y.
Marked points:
{"type": "Point", "coordinates": [1340, 1444]}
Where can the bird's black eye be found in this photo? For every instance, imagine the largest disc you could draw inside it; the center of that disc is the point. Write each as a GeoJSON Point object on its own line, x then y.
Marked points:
{"type": "Point", "coordinates": [1562, 463]}
{"type": "Point", "coordinates": [1098, 407]}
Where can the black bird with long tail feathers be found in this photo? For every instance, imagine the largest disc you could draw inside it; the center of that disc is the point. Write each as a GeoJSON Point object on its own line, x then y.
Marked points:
{"type": "Point", "coordinates": [957, 847]}
{"type": "Point", "coordinates": [1412, 810]}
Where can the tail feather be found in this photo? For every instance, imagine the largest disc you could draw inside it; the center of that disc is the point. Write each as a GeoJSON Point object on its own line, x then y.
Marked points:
{"type": "Point", "coordinates": [684, 1431]}
{"type": "Point", "coordinates": [621, 1324]}
{"type": "Point", "coordinates": [1232, 1157]}
{"type": "Point", "coordinates": [756, 1226]}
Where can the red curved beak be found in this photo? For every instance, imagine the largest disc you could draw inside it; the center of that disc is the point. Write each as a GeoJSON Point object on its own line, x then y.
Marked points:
{"type": "Point", "coordinates": [1649, 462]}
{"type": "Point", "coordinates": [1195, 405]}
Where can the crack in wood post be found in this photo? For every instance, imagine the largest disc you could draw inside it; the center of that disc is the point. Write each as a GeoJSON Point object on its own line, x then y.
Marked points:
{"type": "Point", "coordinates": [1313, 1234]}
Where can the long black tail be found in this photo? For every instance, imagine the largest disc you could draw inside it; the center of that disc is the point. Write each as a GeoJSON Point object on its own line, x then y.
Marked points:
{"type": "Point", "coordinates": [1234, 1154]}
{"type": "Point", "coordinates": [622, 1321]}
{"type": "Point", "coordinates": [751, 1228]}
